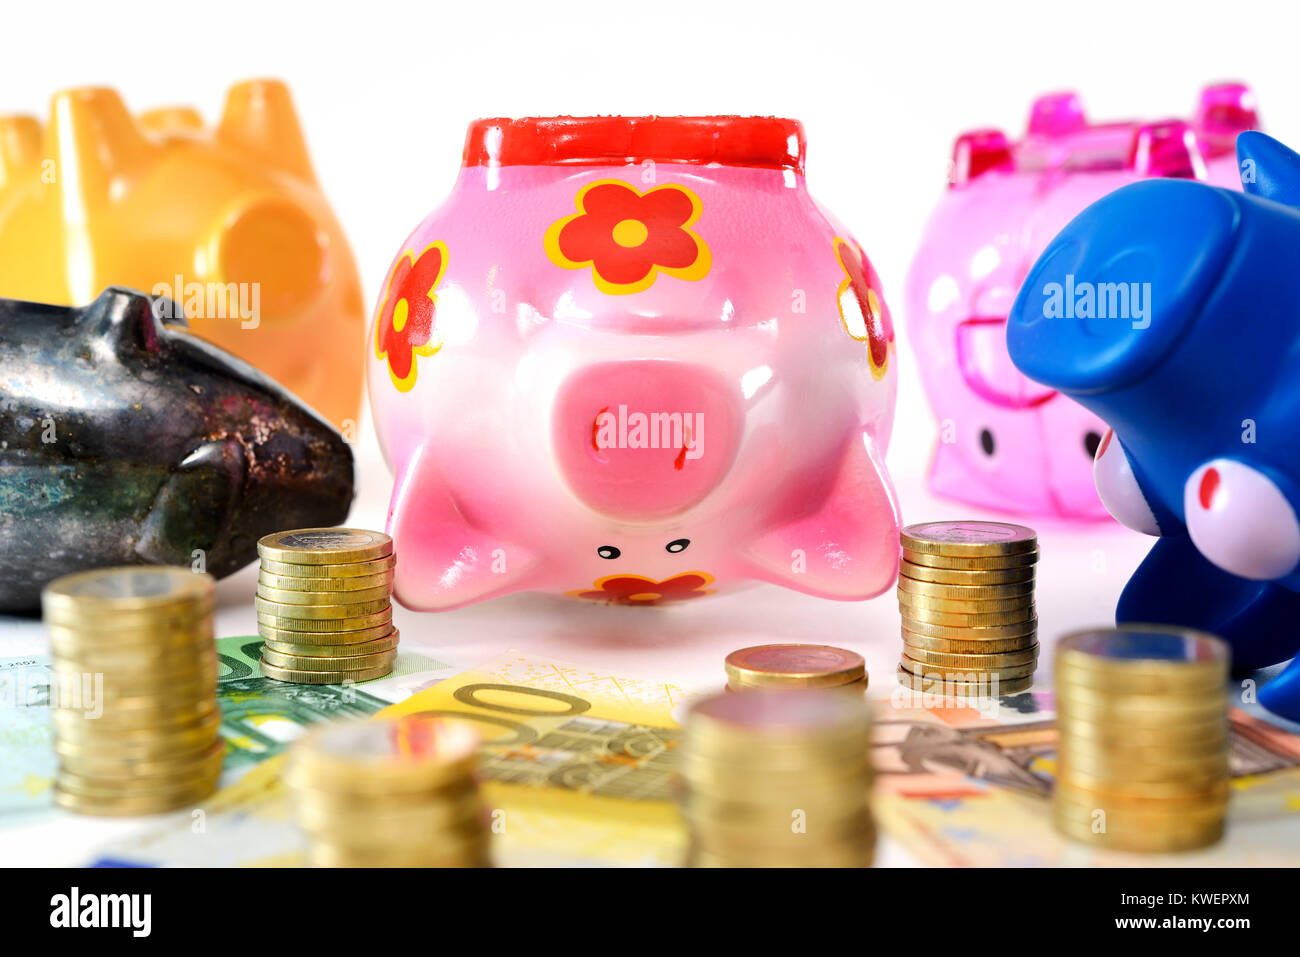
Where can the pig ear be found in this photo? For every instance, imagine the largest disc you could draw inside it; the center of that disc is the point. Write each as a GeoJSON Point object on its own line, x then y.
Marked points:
{"type": "Point", "coordinates": [1268, 169]}
{"type": "Point", "coordinates": [847, 546]}
{"type": "Point", "coordinates": [444, 561]}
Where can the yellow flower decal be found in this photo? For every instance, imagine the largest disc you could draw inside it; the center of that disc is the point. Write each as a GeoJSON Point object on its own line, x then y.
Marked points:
{"type": "Point", "coordinates": [862, 312]}
{"type": "Point", "coordinates": [628, 237]}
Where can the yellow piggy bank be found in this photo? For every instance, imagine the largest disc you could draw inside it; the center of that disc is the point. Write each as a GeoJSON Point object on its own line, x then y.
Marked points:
{"type": "Point", "coordinates": [227, 222]}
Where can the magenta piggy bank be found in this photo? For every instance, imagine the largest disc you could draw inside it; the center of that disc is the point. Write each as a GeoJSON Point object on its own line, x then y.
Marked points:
{"type": "Point", "coordinates": [1005, 442]}
{"type": "Point", "coordinates": [631, 360]}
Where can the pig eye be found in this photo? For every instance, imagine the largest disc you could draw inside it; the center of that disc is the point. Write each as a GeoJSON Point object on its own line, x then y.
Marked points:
{"type": "Point", "coordinates": [1091, 442]}
{"type": "Point", "coordinates": [608, 551]}
{"type": "Point", "coordinates": [1118, 488]}
{"type": "Point", "coordinates": [677, 545]}
{"type": "Point", "coordinates": [1241, 521]}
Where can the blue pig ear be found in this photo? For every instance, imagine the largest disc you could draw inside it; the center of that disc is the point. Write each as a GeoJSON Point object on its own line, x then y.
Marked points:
{"type": "Point", "coordinates": [1268, 169]}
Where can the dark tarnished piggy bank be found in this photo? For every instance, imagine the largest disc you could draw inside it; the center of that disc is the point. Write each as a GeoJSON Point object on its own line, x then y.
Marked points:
{"type": "Point", "coordinates": [124, 440]}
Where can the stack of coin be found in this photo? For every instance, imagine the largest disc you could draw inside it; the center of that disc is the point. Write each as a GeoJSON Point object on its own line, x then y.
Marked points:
{"type": "Point", "coordinates": [776, 667]}
{"type": "Point", "coordinates": [133, 690]}
{"type": "Point", "coordinates": [323, 605]}
{"type": "Point", "coordinates": [966, 593]}
{"type": "Point", "coordinates": [778, 779]}
{"type": "Point", "coordinates": [1143, 760]}
{"type": "Point", "coordinates": [390, 793]}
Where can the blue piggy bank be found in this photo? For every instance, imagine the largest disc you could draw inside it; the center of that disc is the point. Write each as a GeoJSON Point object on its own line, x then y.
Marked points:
{"type": "Point", "coordinates": [1171, 309]}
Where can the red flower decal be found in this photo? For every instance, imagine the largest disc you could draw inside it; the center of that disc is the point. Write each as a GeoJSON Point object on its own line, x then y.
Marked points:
{"type": "Point", "coordinates": [862, 311]}
{"type": "Point", "coordinates": [628, 237]}
{"type": "Point", "coordinates": [404, 326]}
{"type": "Point", "coordinates": [635, 590]}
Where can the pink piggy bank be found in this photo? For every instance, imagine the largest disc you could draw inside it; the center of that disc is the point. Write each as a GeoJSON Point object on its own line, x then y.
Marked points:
{"type": "Point", "coordinates": [631, 360]}
{"type": "Point", "coordinates": [1005, 442]}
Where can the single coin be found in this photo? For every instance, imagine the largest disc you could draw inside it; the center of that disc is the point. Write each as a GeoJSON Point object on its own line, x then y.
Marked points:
{"type": "Point", "coordinates": [283, 610]}
{"type": "Point", "coordinates": [913, 615]}
{"type": "Point", "coordinates": [325, 546]}
{"type": "Point", "coordinates": [356, 637]}
{"type": "Point", "coordinates": [386, 643]}
{"type": "Point", "coordinates": [1022, 574]}
{"type": "Point", "coordinates": [385, 755]}
{"type": "Point", "coordinates": [326, 585]}
{"type": "Point", "coordinates": [122, 589]}
{"type": "Point", "coordinates": [960, 672]}
{"type": "Point", "coordinates": [963, 563]}
{"type": "Point", "coordinates": [974, 646]}
{"type": "Point", "coordinates": [107, 765]}
{"type": "Point", "coordinates": [908, 601]}
{"type": "Point", "coordinates": [380, 566]}
{"type": "Point", "coordinates": [299, 599]}
{"type": "Point", "coordinates": [980, 662]}
{"type": "Point", "coordinates": [133, 805]}
{"type": "Point", "coordinates": [1019, 629]}
{"type": "Point", "coordinates": [794, 665]}
{"type": "Point", "coordinates": [299, 676]}
{"type": "Point", "coordinates": [965, 593]}
{"type": "Point", "coordinates": [333, 664]}
{"type": "Point", "coordinates": [969, 539]}
{"type": "Point", "coordinates": [326, 626]}
{"type": "Point", "coordinates": [994, 686]}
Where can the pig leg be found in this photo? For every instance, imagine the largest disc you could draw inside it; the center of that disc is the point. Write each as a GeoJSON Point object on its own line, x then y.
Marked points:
{"type": "Point", "coordinates": [846, 545]}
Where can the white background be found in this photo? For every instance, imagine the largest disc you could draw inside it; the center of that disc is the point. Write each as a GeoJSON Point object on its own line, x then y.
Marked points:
{"type": "Point", "coordinates": [385, 91]}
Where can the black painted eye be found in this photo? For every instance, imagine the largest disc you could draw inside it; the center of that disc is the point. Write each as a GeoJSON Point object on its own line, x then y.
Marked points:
{"type": "Point", "coordinates": [677, 545]}
{"type": "Point", "coordinates": [1090, 443]}
{"type": "Point", "coordinates": [608, 551]}
{"type": "Point", "coordinates": [986, 442]}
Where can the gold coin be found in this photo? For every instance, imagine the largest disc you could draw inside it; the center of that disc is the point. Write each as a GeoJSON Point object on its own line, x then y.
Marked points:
{"type": "Point", "coordinates": [303, 677]}
{"type": "Point", "coordinates": [772, 829]}
{"type": "Point", "coordinates": [794, 665]}
{"type": "Point", "coordinates": [993, 685]}
{"type": "Point", "coordinates": [280, 636]}
{"type": "Point", "coordinates": [177, 663]}
{"type": "Point", "coordinates": [134, 805]}
{"type": "Point", "coordinates": [980, 662]}
{"type": "Point", "coordinates": [282, 610]}
{"type": "Point", "coordinates": [965, 593]}
{"type": "Point", "coordinates": [86, 739]}
{"type": "Point", "coordinates": [1190, 685]}
{"type": "Point", "coordinates": [1021, 629]}
{"type": "Point", "coordinates": [710, 851]}
{"type": "Point", "coordinates": [1140, 840]}
{"type": "Point", "coordinates": [385, 755]}
{"type": "Point", "coordinates": [1089, 704]}
{"type": "Point", "coordinates": [1213, 733]}
{"type": "Point", "coordinates": [777, 720]}
{"type": "Point", "coordinates": [380, 566]}
{"type": "Point", "coordinates": [389, 828]}
{"type": "Point", "coordinates": [134, 714]}
{"type": "Point", "coordinates": [969, 539]}
{"type": "Point", "coordinates": [110, 766]}
{"type": "Point", "coordinates": [1178, 801]}
{"type": "Point", "coordinates": [963, 563]}
{"type": "Point", "coordinates": [294, 649]}
{"type": "Point", "coordinates": [301, 599]}
{"type": "Point", "coordinates": [326, 626]}
{"type": "Point", "coordinates": [1022, 574]}
{"type": "Point", "coordinates": [325, 546]}
{"type": "Point", "coordinates": [974, 646]}
{"type": "Point", "coordinates": [909, 602]}
{"type": "Point", "coordinates": [1135, 767]}
{"type": "Point", "coordinates": [852, 688]}
{"type": "Point", "coordinates": [142, 588]}
{"type": "Point", "coordinates": [1087, 802]}
{"type": "Point", "coordinates": [268, 581]}
{"type": "Point", "coordinates": [432, 854]}
{"type": "Point", "coordinates": [337, 663]}
{"type": "Point", "coordinates": [925, 669]}
{"type": "Point", "coordinates": [912, 616]}
{"type": "Point", "coordinates": [1085, 780]}
{"type": "Point", "coordinates": [139, 631]}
